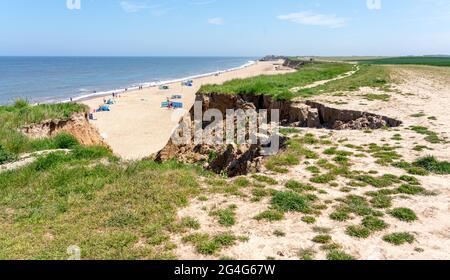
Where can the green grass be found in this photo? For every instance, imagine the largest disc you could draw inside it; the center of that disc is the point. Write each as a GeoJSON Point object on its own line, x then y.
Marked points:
{"type": "Point", "coordinates": [104, 207]}
{"type": "Point", "coordinates": [431, 136]}
{"type": "Point", "coordinates": [278, 86]}
{"type": "Point", "coordinates": [265, 179]}
{"type": "Point", "coordinates": [399, 238]}
{"type": "Point", "coordinates": [207, 245]}
{"type": "Point", "coordinates": [404, 214]}
{"type": "Point", "coordinates": [270, 215]}
{"type": "Point", "coordinates": [374, 224]}
{"type": "Point", "coordinates": [309, 219]}
{"type": "Point", "coordinates": [433, 165]}
{"type": "Point", "coordinates": [306, 254]}
{"type": "Point", "coordinates": [339, 216]}
{"type": "Point", "coordinates": [291, 201]}
{"type": "Point", "coordinates": [298, 187]}
{"type": "Point", "coordinates": [322, 239]}
{"type": "Point", "coordinates": [279, 233]}
{"type": "Point", "coordinates": [227, 217]}
{"type": "Point", "coordinates": [13, 143]}
{"type": "Point", "coordinates": [418, 60]}
{"type": "Point", "coordinates": [358, 231]}
{"type": "Point", "coordinates": [410, 189]}
{"type": "Point", "coordinates": [338, 255]}
{"type": "Point", "coordinates": [367, 76]}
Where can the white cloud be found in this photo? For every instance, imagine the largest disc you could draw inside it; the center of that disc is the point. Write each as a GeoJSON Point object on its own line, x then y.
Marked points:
{"type": "Point", "coordinates": [310, 18]}
{"type": "Point", "coordinates": [131, 7]}
{"type": "Point", "coordinates": [216, 21]}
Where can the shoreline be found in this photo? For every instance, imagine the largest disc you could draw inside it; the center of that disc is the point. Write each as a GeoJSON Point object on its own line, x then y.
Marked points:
{"type": "Point", "coordinates": [85, 97]}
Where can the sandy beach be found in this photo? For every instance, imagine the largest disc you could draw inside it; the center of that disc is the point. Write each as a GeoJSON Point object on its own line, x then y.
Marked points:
{"type": "Point", "coordinates": [137, 126]}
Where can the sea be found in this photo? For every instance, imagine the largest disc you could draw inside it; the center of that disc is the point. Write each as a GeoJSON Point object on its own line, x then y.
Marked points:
{"type": "Point", "coordinates": [60, 79]}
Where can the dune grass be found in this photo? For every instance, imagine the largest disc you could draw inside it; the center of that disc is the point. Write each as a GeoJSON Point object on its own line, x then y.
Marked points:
{"type": "Point", "coordinates": [278, 86]}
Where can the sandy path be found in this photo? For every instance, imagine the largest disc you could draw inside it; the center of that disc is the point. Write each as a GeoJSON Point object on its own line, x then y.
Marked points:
{"type": "Point", "coordinates": [137, 127]}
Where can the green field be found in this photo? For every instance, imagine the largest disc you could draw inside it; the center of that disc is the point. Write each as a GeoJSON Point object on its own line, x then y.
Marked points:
{"type": "Point", "coordinates": [418, 60]}
{"type": "Point", "coordinates": [279, 86]}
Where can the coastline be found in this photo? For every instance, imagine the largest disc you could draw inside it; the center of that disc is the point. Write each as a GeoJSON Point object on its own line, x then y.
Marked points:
{"type": "Point", "coordinates": [137, 126]}
{"type": "Point", "coordinates": [85, 97]}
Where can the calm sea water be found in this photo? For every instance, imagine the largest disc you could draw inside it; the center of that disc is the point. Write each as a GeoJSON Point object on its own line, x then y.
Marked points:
{"type": "Point", "coordinates": [50, 79]}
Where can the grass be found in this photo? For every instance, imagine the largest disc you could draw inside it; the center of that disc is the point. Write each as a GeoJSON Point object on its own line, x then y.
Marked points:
{"type": "Point", "coordinates": [13, 142]}
{"type": "Point", "coordinates": [104, 207]}
{"type": "Point", "coordinates": [322, 239]}
{"type": "Point", "coordinates": [381, 201]}
{"type": "Point", "coordinates": [339, 216]}
{"type": "Point", "coordinates": [431, 136]}
{"type": "Point", "coordinates": [433, 165]}
{"type": "Point", "coordinates": [306, 254]}
{"type": "Point", "coordinates": [323, 179]}
{"type": "Point", "coordinates": [279, 233]}
{"type": "Point", "coordinates": [298, 187]}
{"type": "Point", "coordinates": [227, 217]}
{"type": "Point", "coordinates": [399, 238]}
{"type": "Point", "coordinates": [367, 76]}
{"type": "Point", "coordinates": [358, 231]}
{"type": "Point", "coordinates": [338, 255]}
{"type": "Point", "coordinates": [374, 224]}
{"type": "Point", "coordinates": [270, 215]}
{"type": "Point", "coordinates": [309, 219]}
{"type": "Point", "coordinates": [278, 86]}
{"type": "Point", "coordinates": [377, 97]}
{"type": "Point", "coordinates": [403, 214]}
{"type": "Point", "coordinates": [410, 189]}
{"type": "Point", "coordinates": [265, 179]}
{"type": "Point", "coordinates": [418, 60]}
{"type": "Point", "coordinates": [207, 245]}
{"type": "Point", "coordinates": [291, 201]}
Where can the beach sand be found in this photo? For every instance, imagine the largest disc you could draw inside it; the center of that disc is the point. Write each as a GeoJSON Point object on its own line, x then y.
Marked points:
{"type": "Point", "coordinates": [138, 127]}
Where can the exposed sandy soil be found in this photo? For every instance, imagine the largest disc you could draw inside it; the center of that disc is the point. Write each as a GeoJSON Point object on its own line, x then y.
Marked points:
{"type": "Point", "coordinates": [418, 89]}
{"type": "Point", "coordinates": [137, 127]}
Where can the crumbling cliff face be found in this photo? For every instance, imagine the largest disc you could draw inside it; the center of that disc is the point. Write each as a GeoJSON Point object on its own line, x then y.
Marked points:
{"type": "Point", "coordinates": [295, 64]}
{"type": "Point", "coordinates": [237, 160]}
{"type": "Point", "coordinates": [77, 125]}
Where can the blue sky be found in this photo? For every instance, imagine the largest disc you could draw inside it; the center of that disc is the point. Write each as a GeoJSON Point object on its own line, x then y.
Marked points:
{"type": "Point", "coordinates": [225, 27]}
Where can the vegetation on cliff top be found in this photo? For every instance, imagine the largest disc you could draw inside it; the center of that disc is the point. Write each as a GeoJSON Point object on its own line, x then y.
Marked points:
{"type": "Point", "coordinates": [12, 142]}
{"type": "Point", "coordinates": [279, 86]}
{"type": "Point", "coordinates": [418, 60]}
